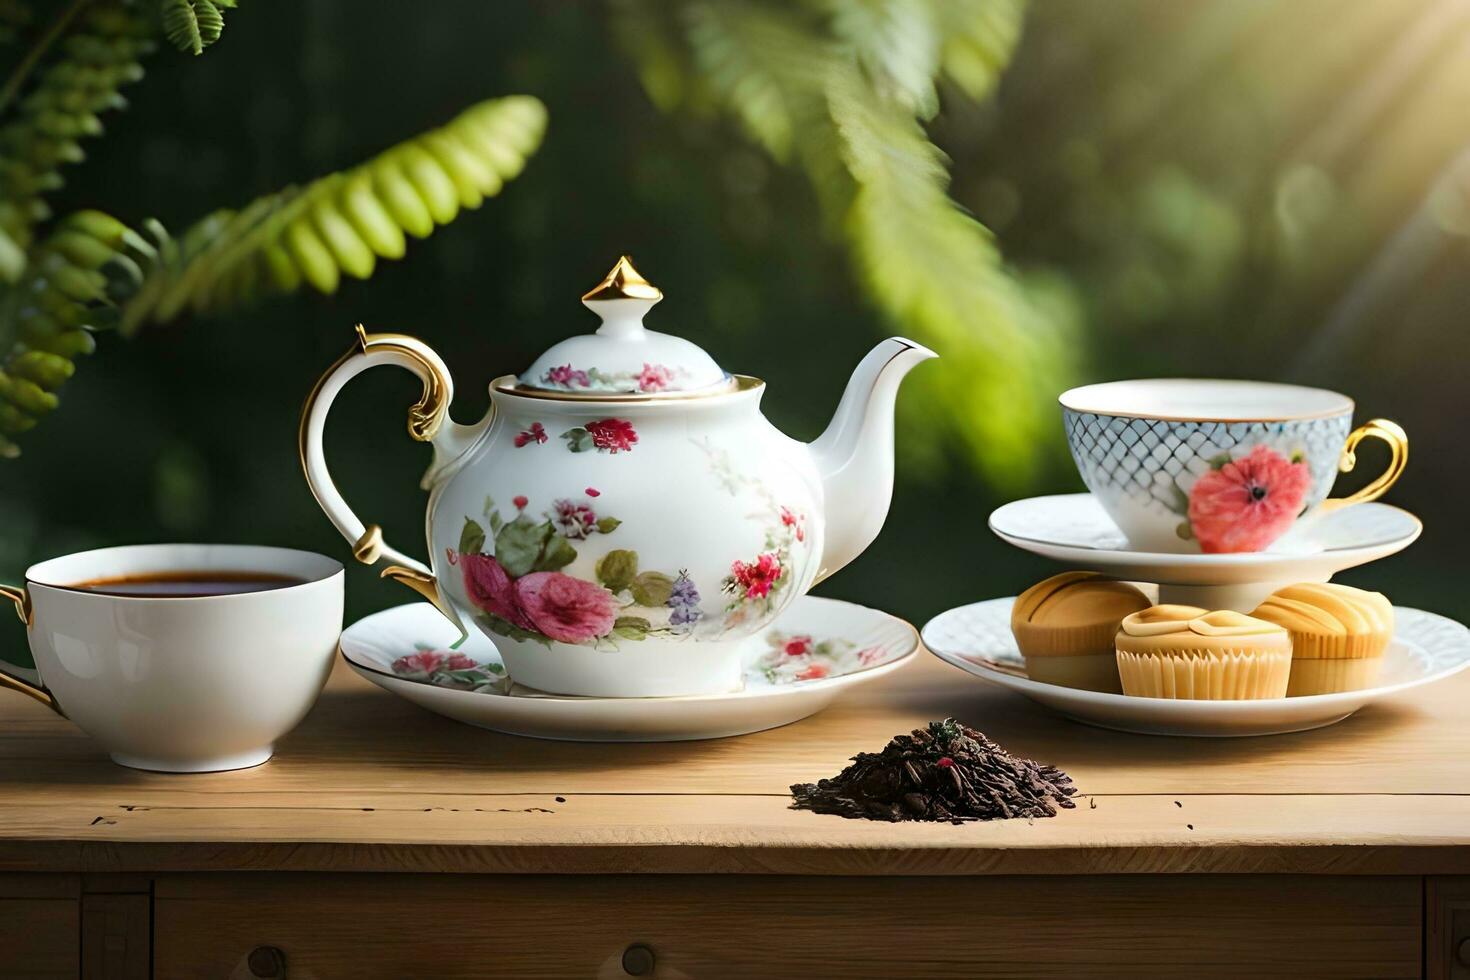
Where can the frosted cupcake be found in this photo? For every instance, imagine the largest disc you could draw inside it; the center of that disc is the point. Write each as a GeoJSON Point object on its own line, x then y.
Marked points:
{"type": "Point", "coordinates": [1065, 626]}
{"type": "Point", "coordinates": [1187, 653]}
{"type": "Point", "coordinates": [1338, 635]}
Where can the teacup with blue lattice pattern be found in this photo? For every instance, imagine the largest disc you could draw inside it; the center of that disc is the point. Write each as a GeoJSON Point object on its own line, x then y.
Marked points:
{"type": "Point", "coordinates": [1185, 465]}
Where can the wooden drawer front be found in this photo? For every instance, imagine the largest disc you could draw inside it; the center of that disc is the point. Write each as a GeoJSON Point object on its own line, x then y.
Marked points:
{"type": "Point", "coordinates": [1447, 928]}
{"type": "Point", "coordinates": [460, 926]}
{"type": "Point", "coordinates": [40, 927]}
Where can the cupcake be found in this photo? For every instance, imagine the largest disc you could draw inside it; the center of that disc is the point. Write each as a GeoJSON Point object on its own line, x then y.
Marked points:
{"type": "Point", "coordinates": [1338, 635]}
{"type": "Point", "coordinates": [1187, 653]}
{"type": "Point", "coordinates": [1065, 626]}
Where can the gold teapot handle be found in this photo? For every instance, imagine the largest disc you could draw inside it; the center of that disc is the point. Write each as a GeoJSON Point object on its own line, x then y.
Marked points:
{"type": "Point", "coordinates": [40, 692]}
{"type": "Point", "coordinates": [1398, 449]}
{"type": "Point", "coordinates": [428, 421]}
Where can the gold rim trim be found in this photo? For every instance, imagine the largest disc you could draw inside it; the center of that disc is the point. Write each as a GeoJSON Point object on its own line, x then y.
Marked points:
{"type": "Point", "coordinates": [736, 384]}
{"type": "Point", "coordinates": [1285, 417]}
{"type": "Point", "coordinates": [623, 282]}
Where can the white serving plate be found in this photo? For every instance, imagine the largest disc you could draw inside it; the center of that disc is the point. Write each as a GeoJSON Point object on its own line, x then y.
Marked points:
{"type": "Point", "coordinates": [977, 639]}
{"type": "Point", "coordinates": [862, 645]}
{"type": "Point", "coordinates": [1073, 528]}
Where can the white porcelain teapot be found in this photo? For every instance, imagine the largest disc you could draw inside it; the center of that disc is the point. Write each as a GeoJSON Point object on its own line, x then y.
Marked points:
{"type": "Point", "coordinates": [624, 516]}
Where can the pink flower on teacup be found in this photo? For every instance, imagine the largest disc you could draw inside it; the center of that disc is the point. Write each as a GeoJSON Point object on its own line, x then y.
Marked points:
{"type": "Point", "coordinates": [1247, 503]}
{"type": "Point", "coordinates": [565, 608]}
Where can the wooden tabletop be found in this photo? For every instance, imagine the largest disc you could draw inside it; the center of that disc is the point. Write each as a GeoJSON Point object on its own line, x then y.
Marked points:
{"type": "Point", "coordinates": [370, 782]}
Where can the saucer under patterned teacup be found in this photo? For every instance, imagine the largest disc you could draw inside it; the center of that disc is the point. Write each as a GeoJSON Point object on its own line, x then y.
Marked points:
{"type": "Point", "coordinates": [1074, 529]}
{"type": "Point", "coordinates": [794, 668]}
{"type": "Point", "coordinates": [977, 639]}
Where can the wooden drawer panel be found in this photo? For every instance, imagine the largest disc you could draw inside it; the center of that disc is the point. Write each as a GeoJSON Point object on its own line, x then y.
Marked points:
{"type": "Point", "coordinates": [1447, 928]}
{"type": "Point", "coordinates": [461, 926]}
{"type": "Point", "coordinates": [40, 927]}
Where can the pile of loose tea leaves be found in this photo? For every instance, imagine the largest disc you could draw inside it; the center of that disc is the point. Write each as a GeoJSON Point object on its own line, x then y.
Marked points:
{"type": "Point", "coordinates": [943, 772]}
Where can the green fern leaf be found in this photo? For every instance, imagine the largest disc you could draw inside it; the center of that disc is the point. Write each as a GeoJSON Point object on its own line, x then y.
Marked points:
{"type": "Point", "coordinates": [193, 25]}
{"type": "Point", "coordinates": [72, 281]}
{"type": "Point", "coordinates": [341, 224]}
{"type": "Point", "coordinates": [211, 21]}
{"type": "Point", "coordinates": [97, 58]}
{"type": "Point", "coordinates": [839, 86]}
{"type": "Point", "coordinates": [897, 43]}
{"type": "Point", "coordinates": [764, 64]}
{"type": "Point", "coordinates": [93, 273]}
{"type": "Point", "coordinates": [936, 271]}
{"type": "Point", "coordinates": [979, 37]}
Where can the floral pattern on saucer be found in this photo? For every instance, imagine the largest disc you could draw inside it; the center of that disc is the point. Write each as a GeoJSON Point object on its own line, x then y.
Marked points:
{"type": "Point", "coordinates": [407, 651]}
{"type": "Point", "coordinates": [789, 659]}
{"type": "Point", "coordinates": [446, 668]}
{"type": "Point", "coordinates": [792, 658]}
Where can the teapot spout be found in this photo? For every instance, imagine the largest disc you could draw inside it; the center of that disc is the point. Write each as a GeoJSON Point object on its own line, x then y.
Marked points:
{"type": "Point", "coordinates": [855, 454]}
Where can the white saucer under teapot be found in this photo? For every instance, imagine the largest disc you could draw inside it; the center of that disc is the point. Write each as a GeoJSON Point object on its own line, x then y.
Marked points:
{"type": "Point", "coordinates": [624, 517]}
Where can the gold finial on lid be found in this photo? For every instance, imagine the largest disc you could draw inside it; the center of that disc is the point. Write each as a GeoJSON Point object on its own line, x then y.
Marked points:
{"type": "Point", "coordinates": [624, 282]}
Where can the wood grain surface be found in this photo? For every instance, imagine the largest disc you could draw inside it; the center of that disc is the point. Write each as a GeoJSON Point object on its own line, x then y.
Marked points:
{"type": "Point", "coordinates": [369, 782]}
{"type": "Point", "coordinates": [456, 927]}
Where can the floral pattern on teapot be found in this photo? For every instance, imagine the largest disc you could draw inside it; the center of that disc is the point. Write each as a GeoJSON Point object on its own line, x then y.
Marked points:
{"type": "Point", "coordinates": [512, 572]}
{"type": "Point", "coordinates": [604, 436]}
{"type": "Point", "coordinates": [652, 379]}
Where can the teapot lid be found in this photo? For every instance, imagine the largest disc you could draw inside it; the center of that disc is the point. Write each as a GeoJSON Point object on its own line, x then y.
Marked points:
{"type": "Point", "coordinates": [623, 357]}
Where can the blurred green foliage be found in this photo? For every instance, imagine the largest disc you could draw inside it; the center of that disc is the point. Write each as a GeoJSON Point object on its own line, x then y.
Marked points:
{"type": "Point", "coordinates": [841, 89]}
{"type": "Point", "coordinates": [62, 282]}
{"type": "Point", "coordinates": [1249, 188]}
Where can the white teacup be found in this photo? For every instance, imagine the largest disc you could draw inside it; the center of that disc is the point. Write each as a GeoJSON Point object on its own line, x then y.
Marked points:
{"type": "Point", "coordinates": [180, 684]}
{"type": "Point", "coordinates": [1186, 465]}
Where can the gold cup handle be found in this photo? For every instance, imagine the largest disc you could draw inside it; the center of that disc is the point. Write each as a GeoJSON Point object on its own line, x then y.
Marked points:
{"type": "Point", "coordinates": [428, 421]}
{"type": "Point", "coordinates": [40, 692]}
{"type": "Point", "coordinates": [1398, 449]}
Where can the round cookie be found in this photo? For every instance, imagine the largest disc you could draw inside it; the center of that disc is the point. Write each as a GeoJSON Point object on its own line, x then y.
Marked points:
{"type": "Point", "coordinates": [1064, 627]}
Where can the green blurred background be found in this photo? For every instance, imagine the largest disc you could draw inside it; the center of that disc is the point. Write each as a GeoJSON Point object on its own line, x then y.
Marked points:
{"type": "Point", "coordinates": [1233, 188]}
